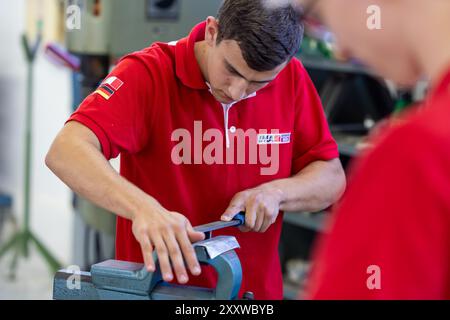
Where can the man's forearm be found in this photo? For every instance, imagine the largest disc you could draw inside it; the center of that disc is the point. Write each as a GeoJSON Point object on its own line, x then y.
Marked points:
{"type": "Point", "coordinates": [84, 169]}
{"type": "Point", "coordinates": [76, 158]}
{"type": "Point", "coordinates": [314, 188]}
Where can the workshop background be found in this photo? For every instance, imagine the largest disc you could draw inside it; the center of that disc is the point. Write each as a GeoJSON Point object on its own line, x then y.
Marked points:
{"type": "Point", "coordinates": [43, 225]}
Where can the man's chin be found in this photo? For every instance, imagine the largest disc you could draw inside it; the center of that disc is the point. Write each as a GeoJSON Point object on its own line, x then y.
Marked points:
{"type": "Point", "coordinates": [226, 101]}
{"type": "Point", "coordinates": [222, 99]}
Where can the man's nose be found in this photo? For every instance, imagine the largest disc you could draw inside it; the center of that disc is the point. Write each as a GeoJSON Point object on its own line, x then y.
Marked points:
{"type": "Point", "coordinates": [238, 89]}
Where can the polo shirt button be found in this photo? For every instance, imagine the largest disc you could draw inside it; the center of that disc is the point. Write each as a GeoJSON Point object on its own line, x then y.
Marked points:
{"type": "Point", "coordinates": [232, 129]}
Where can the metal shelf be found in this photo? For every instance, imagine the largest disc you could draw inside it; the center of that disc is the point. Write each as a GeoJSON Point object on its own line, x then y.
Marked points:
{"type": "Point", "coordinates": [347, 150]}
{"type": "Point", "coordinates": [348, 143]}
{"type": "Point", "coordinates": [314, 62]}
{"type": "Point", "coordinates": [312, 221]}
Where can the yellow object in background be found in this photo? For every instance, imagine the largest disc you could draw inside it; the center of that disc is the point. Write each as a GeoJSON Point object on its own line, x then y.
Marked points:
{"type": "Point", "coordinates": [49, 15]}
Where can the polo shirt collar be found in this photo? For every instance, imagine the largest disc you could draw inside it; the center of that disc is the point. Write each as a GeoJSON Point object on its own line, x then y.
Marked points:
{"type": "Point", "coordinates": [187, 68]}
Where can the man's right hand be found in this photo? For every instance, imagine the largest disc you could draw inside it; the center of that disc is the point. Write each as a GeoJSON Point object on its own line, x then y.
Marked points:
{"type": "Point", "coordinates": [171, 235]}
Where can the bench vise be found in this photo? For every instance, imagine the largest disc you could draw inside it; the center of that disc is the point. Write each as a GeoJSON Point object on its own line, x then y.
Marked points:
{"type": "Point", "coordinates": [121, 280]}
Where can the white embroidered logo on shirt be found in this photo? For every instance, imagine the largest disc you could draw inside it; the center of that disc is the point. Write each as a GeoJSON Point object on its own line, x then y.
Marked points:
{"type": "Point", "coordinates": [278, 138]}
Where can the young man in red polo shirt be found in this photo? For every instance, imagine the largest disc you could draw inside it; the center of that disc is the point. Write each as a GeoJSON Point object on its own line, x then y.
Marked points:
{"type": "Point", "coordinates": [221, 121]}
{"type": "Point", "coordinates": [390, 236]}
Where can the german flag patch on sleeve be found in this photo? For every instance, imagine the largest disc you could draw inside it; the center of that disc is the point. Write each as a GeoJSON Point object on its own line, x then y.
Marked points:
{"type": "Point", "coordinates": [108, 87]}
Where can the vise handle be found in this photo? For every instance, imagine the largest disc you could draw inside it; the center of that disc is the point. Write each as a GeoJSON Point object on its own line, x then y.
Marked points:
{"type": "Point", "coordinates": [238, 219]}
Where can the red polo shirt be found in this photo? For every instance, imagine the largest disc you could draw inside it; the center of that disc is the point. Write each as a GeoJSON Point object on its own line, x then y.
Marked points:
{"type": "Point", "coordinates": [390, 236]}
{"type": "Point", "coordinates": [155, 96]}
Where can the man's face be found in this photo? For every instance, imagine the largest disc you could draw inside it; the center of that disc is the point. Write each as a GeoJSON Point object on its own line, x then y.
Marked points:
{"type": "Point", "coordinates": [386, 50]}
{"type": "Point", "coordinates": [229, 76]}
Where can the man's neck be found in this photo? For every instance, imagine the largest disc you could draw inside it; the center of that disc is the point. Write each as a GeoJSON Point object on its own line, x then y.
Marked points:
{"type": "Point", "coordinates": [434, 54]}
{"type": "Point", "coordinates": [201, 54]}
{"type": "Point", "coordinates": [431, 43]}
{"type": "Point", "coordinates": [438, 62]}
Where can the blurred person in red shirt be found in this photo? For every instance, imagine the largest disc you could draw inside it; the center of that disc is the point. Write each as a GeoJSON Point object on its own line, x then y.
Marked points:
{"type": "Point", "coordinates": [389, 237]}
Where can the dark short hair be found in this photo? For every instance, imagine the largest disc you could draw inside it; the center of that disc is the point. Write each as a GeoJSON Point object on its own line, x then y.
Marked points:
{"type": "Point", "coordinates": [267, 37]}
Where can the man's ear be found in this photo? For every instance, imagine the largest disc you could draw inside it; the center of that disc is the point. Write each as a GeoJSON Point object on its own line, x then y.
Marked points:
{"type": "Point", "coordinates": [212, 30]}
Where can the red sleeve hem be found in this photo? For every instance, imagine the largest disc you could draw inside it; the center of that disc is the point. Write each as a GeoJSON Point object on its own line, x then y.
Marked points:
{"type": "Point", "coordinates": [325, 153]}
{"type": "Point", "coordinates": [98, 131]}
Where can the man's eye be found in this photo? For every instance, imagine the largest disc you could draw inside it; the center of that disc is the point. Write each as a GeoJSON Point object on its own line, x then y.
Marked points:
{"type": "Point", "coordinates": [232, 72]}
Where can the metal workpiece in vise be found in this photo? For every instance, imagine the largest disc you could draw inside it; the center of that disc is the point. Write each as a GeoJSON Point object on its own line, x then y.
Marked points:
{"type": "Point", "coordinates": [121, 280]}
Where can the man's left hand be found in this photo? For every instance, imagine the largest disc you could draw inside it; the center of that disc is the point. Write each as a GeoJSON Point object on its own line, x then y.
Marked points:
{"type": "Point", "coordinates": [261, 206]}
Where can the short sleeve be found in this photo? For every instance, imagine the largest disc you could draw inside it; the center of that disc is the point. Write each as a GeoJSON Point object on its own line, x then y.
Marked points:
{"type": "Point", "coordinates": [121, 110]}
{"type": "Point", "coordinates": [389, 237]}
{"type": "Point", "coordinates": [312, 137]}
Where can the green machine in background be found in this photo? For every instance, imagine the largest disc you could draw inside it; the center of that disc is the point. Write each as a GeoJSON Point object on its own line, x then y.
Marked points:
{"type": "Point", "coordinates": [117, 27]}
{"type": "Point", "coordinates": [99, 32]}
